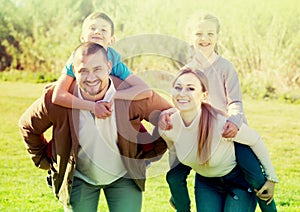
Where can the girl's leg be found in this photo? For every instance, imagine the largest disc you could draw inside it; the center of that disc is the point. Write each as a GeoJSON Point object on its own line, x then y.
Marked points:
{"type": "Point", "coordinates": [176, 179]}
{"type": "Point", "coordinates": [252, 170]}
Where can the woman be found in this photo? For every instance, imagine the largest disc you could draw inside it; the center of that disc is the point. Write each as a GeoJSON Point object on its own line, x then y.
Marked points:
{"type": "Point", "coordinates": [194, 136]}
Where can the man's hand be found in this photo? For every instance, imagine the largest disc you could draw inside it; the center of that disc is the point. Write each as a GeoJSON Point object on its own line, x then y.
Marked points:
{"type": "Point", "coordinates": [266, 193]}
{"type": "Point", "coordinates": [103, 109]}
{"type": "Point", "coordinates": [229, 130]}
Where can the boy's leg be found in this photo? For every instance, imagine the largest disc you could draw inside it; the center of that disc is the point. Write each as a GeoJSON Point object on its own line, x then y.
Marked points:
{"type": "Point", "coordinates": [251, 168]}
{"type": "Point", "coordinates": [176, 179]}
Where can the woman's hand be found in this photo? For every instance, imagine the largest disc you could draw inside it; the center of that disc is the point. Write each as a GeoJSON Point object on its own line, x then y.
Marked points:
{"type": "Point", "coordinates": [164, 122]}
{"type": "Point", "coordinates": [266, 192]}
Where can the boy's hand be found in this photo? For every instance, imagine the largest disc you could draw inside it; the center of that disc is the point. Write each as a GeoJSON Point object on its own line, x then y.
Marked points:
{"type": "Point", "coordinates": [229, 130]}
{"type": "Point", "coordinates": [266, 193]}
{"type": "Point", "coordinates": [103, 109]}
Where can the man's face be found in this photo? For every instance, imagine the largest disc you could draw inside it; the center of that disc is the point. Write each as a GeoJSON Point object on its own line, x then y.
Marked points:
{"type": "Point", "coordinates": [92, 73]}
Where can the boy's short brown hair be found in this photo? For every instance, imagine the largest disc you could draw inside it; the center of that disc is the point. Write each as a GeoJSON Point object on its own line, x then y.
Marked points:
{"type": "Point", "coordinates": [100, 15]}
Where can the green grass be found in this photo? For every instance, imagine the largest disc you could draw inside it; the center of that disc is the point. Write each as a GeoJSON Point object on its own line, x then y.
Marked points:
{"type": "Point", "coordinates": [23, 186]}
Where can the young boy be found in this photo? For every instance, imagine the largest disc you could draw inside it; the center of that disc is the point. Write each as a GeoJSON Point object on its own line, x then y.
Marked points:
{"type": "Point", "coordinates": [99, 28]}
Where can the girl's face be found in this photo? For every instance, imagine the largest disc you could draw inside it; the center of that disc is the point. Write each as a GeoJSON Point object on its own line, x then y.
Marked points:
{"type": "Point", "coordinates": [205, 37]}
{"type": "Point", "coordinates": [98, 31]}
{"type": "Point", "coordinates": [187, 93]}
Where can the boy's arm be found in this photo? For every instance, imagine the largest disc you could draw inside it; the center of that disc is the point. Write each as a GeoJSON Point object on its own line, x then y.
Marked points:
{"type": "Point", "coordinates": [138, 89]}
{"type": "Point", "coordinates": [62, 97]}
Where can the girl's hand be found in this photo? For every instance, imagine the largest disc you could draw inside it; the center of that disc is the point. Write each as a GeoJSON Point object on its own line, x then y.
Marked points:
{"type": "Point", "coordinates": [229, 130]}
{"type": "Point", "coordinates": [103, 109]}
{"type": "Point", "coordinates": [266, 193]}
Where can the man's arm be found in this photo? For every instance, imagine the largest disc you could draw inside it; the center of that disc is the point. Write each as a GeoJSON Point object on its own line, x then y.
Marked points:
{"type": "Point", "coordinates": [32, 124]}
{"type": "Point", "coordinates": [149, 109]}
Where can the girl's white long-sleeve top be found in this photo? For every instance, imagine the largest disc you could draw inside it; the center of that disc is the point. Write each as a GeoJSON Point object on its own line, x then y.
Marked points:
{"type": "Point", "coordinates": [183, 143]}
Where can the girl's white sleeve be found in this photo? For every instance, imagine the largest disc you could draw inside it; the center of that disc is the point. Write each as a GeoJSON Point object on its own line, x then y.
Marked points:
{"type": "Point", "coordinates": [250, 137]}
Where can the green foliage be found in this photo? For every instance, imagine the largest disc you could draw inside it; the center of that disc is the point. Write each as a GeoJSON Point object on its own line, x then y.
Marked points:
{"type": "Point", "coordinates": [260, 38]}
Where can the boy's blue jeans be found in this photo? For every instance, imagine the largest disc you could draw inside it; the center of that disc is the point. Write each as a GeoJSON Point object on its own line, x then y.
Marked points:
{"type": "Point", "coordinates": [246, 160]}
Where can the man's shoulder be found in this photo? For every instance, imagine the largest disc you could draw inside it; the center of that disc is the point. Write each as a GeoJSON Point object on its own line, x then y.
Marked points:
{"type": "Point", "coordinates": [119, 84]}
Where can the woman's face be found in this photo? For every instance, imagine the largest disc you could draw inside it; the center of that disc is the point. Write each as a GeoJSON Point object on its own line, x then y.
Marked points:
{"type": "Point", "coordinates": [187, 93]}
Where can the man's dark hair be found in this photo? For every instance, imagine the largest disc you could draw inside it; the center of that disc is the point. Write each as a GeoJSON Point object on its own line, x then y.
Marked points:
{"type": "Point", "coordinates": [88, 48]}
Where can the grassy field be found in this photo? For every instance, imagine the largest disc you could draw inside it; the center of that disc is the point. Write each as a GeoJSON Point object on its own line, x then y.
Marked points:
{"type": "Point", "coordinates": [23, 187]}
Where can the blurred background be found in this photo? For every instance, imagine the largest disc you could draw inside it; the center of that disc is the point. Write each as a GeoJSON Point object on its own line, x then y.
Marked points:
{"type": "Point", "coordinates": [261, 38]}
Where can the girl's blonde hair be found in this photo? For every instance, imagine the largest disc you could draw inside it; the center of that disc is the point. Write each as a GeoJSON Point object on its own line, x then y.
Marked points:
{"type": "Point", "coordinates": [202, 17]}
{"type": "Point", "coordinates": [207, 119]}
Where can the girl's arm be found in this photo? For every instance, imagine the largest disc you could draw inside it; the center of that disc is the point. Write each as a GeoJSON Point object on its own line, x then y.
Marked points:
{"type": "Point", "coordinates": [250, 137]}
{"type": "Point", "coordinates": [138, 90]}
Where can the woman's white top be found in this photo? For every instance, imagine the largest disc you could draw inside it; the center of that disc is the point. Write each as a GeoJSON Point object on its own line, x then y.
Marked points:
{"type": "Point", "coordinates": [222, 158]}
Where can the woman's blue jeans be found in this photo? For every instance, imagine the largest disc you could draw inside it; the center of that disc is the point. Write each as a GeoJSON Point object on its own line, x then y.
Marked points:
{"type": "Point", "coordinates": [224, 194]}
{"type": "Point", "coordinates": [246, 160]}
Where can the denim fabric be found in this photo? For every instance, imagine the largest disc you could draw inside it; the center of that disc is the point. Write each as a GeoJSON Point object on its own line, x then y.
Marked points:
{"type": "Point", "coordinates": [246, 160]}
{"type": "Point", "coordinates": [251, 168]}
{"type": "Point", "coordinates": [176, 179]}
{"type": "Point", "coordinates": [121, 195]}
{"type": "Point", "coordinates": [224, 194]}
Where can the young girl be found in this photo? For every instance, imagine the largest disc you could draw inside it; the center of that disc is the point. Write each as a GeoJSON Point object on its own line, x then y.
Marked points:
{"type": "Point", "coordinates": [225, 95]}
{"type": "Point", "coordinates": [195, 139]}
{"type": "Point", "coordinates": [99, 28]}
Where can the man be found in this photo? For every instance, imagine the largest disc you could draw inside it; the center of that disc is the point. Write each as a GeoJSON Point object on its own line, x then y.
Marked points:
{"type": "Point", "coordinates": [87, 154]}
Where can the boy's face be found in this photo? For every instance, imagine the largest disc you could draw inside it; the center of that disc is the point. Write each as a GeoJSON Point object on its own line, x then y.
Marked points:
{"type": "Point", "coordinates": [92, 73]}
{"type": "Point", "coordinates": [98, 31]}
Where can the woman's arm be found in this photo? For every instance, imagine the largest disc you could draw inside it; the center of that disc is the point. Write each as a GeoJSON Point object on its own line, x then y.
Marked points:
{"type": "Point", "coordinates": [138, 90]}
